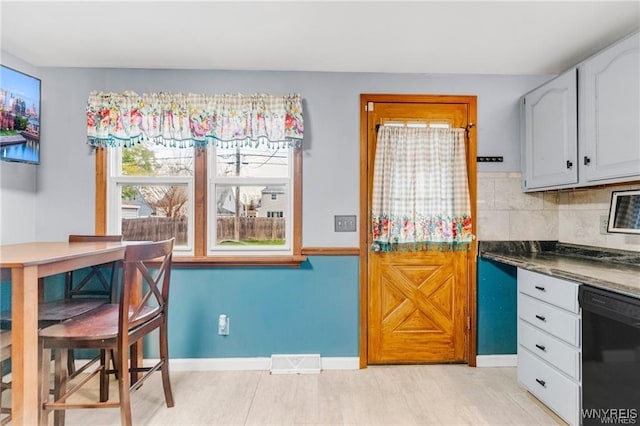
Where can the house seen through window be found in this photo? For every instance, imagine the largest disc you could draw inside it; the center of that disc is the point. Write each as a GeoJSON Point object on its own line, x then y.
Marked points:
{"type": "Point", "coordinates": [152, 192]}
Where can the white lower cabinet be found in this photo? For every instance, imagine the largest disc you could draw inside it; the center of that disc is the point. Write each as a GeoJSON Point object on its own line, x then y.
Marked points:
{"type": "Point", "coordinates": [550, 386]}
{"type": "Point", "coordinates": [549, 342]}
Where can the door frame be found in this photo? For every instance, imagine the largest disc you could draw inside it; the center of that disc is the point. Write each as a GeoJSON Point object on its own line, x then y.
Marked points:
{"type": "Point", "coordinates": [365, 220]}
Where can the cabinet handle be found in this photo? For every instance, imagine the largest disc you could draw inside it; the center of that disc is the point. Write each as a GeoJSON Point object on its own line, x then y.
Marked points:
{"type": "Point", "coordinates": [540, 288]}
{"type": "Point", "coordinates": [542, 383]}
{"type": "Point", "coordinates": [569, 164]}
{"type": "Point", "coordinates": [541, 347]}
{"type": "Point", "coordinates": [541, 318]}
{"type": "Point", "coordinates": [587, 160]}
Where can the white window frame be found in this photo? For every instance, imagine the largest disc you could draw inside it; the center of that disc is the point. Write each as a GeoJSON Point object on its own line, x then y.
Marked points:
{"type": "Point", "coordinates": [213, 181]}
{"type": "Point", "coordinates": [114, 212]}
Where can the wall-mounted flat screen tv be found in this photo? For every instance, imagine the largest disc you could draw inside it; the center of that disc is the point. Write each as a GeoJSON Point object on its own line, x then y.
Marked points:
{"type": "Point", "coordinates": [19, 116]}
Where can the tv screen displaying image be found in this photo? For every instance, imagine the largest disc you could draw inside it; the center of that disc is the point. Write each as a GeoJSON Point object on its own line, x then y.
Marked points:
{"type": "Point", "coordinates": [19, 116]}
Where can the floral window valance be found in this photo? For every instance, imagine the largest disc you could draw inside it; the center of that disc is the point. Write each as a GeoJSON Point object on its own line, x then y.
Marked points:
{"type": "Point", "coordinates": [194, 120]}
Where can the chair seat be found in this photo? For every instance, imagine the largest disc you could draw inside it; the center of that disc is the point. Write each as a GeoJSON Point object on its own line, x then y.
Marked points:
{"type": "Point", "coordinates": [61, 310]}
{"type": "Point", "coordinates": [99, 325]}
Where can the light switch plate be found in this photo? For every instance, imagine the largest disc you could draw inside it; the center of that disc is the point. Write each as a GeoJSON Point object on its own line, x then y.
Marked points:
{"type": "Point", "coordinates": [345, 223]}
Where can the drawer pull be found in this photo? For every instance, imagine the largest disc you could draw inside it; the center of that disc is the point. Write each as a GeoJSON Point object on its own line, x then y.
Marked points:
{"type": "Point", "coordinates": [541, 318]}
{"type": "Point", "coordinates": [540, 288]}
{"type": "Point", "coordinates": [541, 347]}
{"type": "Point", "coordinates": [542, 383]}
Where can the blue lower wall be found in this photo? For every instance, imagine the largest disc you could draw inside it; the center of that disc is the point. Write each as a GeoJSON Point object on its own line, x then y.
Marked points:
{"type": "Point", "coordinates": [313, 309]}
{"type": "Point", "coordinates": [497, 308]}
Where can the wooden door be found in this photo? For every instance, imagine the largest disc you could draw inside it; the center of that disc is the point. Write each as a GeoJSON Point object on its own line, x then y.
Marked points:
{"type": "Point", "coordinates": [418, 304]}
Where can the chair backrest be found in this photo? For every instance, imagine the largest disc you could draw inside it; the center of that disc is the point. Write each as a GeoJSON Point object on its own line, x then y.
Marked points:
{"type": "Point", "coordinates": [145, 286]}
{"type": "Point", "coordinates": [102, 282]}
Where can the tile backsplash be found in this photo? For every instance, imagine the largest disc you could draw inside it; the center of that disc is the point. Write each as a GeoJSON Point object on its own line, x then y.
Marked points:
{"type": "Point", "coordinates": [569, 216]}
{"type": "Point", "coordinates": [579, 216]}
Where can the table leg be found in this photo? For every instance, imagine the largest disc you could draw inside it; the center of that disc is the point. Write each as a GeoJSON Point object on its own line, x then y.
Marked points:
{"type": "Point", "coordinates": [24, 352]}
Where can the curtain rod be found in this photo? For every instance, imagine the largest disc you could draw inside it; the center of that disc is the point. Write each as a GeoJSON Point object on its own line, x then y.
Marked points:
{"type": "Point", "coordinates": [467, 128]}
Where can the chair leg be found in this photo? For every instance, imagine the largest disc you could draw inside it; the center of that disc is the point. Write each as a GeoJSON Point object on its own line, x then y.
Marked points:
{"type": "Point", "coordinates": [71, 363]}
{"type": "Point", "coordinates": [114, 360]}
{"type": "Point", "coordinates": [164, 356]}
{"type": "Point", "coordinates": [45, 371]}
{"type": "Point", "coordinates": [3, 387]}
{"type": "Point", "coordinates": [104, 377]}
{"type": "Point", "coordinates": [60, 383]}
{"type": "Point", "coordinates": [123, 387]}
{"type": "Point", "coordinates": [133, 359]}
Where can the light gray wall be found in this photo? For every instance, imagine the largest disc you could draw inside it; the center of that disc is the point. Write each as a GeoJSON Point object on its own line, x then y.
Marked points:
{"type": "Point", "coordinates": [18, 188]}
{"type": "Point", "coordinates": [65, 196]}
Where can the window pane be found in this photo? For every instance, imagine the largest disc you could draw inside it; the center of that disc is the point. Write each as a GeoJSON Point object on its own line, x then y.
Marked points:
{"type": "Point", "coordinates": [252, 162]}
{"type": "Point", "coordinates": [155, 212]}
{"type": "Point", "coordinates": [251, 215]}
{"type": "Point", "coordinates": [148, 159]}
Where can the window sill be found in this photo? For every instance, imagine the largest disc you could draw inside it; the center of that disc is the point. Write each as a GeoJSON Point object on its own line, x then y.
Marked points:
{"type": "Point", "coordinates": [220, 261]}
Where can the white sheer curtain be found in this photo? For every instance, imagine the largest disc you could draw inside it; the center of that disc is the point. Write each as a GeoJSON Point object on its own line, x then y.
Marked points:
{"type": "Point", "coordinates": [420, 190]}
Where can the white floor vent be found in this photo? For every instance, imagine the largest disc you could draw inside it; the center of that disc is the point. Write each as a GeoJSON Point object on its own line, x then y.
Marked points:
{"type": "Point", "coordinates": [295, 364]}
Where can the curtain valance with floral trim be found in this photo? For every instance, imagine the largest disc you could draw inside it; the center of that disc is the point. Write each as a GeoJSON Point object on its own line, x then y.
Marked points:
{"type": "Point", "coordinates": [194, 120]}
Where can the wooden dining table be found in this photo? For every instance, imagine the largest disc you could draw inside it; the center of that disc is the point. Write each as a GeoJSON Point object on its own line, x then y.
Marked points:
{"type": "Point", "coordinates": [28, 263]}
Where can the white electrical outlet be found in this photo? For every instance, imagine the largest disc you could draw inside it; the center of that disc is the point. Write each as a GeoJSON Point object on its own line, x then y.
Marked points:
{"type": "Point", "coordinates": [604, 222]}
{"type": "Point", "coordinates": [223, 325]}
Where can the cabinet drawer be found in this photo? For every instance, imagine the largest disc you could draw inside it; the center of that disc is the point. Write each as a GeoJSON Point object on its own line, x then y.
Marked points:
{"type": "Point", "coordinates": [564, 325]}
{"type": "Point", "coordinates": [557, 353]}
{"type": "Point", "coordinates": [557, 391]}
{"type": "Point", "coordinates": [555, 291]}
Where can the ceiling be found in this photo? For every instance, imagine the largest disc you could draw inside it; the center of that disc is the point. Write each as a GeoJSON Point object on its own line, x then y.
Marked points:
{"type": "Point", "coordinates": [476, 37]}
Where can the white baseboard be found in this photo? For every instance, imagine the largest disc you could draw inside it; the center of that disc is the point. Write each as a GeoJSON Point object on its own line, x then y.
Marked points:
{"type": "Point", "coordinates": [341, 363]}
{"type": "Point", "coordinates": [246, 364]}
{"type": "Point", "coordinates": [328, 363]}
{"type": "Point", "coordinates": [219, 364]}
{"type": "Point", "coordinates": [497, 360]}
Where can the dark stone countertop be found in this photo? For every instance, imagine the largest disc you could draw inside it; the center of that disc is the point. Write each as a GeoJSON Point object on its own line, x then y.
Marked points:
{"type": "Point", "coordinates": [615, 270]}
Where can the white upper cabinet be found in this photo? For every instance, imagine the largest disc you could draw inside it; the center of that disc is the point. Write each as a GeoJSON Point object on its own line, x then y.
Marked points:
{"type": "Point", "coordinates": [583, 127]}
{"type": "Point", "coordinates": [551, 133]}
{"type": "Point", "coordinates": [609, 111]}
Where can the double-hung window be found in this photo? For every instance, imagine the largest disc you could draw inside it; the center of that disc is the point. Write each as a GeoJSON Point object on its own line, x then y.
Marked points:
{"type": "Point", "coordinates": [253, 196]}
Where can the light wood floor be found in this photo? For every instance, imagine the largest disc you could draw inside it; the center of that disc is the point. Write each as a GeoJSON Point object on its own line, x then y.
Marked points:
{"type": "Point", "coordinates": [382, 395]}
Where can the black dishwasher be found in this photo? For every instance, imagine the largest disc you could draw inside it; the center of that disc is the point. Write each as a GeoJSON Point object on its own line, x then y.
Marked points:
{"type": "Point", "coordinates": [610, 357]}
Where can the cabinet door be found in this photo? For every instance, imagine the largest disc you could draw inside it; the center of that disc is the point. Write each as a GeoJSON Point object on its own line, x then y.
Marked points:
{"type": "Point", "coordinates": [551, 133]}
{"type": "Point", "coordinates": [609, 108]}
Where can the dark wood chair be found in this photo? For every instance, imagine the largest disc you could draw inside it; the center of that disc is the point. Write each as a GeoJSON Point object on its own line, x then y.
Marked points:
{"type": "Point", "coordinates": [5, 355]}
{"type": "Point", "coordinates": [142, 308]}
{"type": "Point", "coordinates": [81, 293]}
